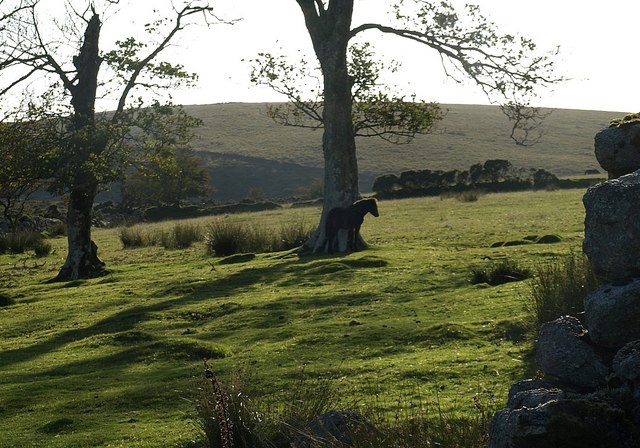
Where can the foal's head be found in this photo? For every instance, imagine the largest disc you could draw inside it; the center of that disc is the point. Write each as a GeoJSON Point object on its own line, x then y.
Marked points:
{"type": "Point", "coordinates": [369, 205]}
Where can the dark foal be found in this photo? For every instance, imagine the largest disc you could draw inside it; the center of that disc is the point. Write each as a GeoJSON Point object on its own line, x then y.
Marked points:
{"type": "Point", "coordinates": [348, 218]}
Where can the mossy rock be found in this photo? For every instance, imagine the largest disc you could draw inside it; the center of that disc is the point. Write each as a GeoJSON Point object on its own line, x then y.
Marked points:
{"type": "Point", "coordinates": [549, 239]}
{"type": "Point", "coordinates": [516, 243]}
{"type": "Point", "coordinates": [627, 119]}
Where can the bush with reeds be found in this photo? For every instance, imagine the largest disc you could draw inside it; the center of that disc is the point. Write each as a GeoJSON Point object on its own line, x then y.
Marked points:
{"type": "Point", "coordinates": [42, 248]}
{"type": "Point", "coordinates": [227, 418]}
{"type": "Point", "coordinates": [137, 236]}
{"type": "Point", "coordinates": [293, 234]}
{"type": "Point", "coordinates": [181, 236]}
{"type": "Point", "coordinates": [230, 417]}
{"type": "Point", "coordinates": [225, 237]}
{"type": "Point", "coordinates": [19, 242]}
{"type": "Point", "coordinates": [560, 286]}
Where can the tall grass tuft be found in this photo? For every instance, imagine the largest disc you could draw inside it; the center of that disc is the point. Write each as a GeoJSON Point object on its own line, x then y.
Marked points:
{"type": "Point", "coordinates": [223, 237]}
{"type": "Point", "coordinates": [293, 234]}
{"type": "Point", "coordinates": [19, 242]}
{"type": "Point", "coordinates": [560, 286]}
{"type": "Point", "coordinates": [42, 248]}
{"type": "Point", "coordinates": [233, 418]}
{"type": "Point", "coordinates": [137, 236]}
{"type": "Point", "coordinates": [181, 236]}
{"type": "Point", "coordinates": [227, 420]}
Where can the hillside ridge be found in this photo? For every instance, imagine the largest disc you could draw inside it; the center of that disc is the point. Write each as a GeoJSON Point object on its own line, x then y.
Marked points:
{"type": "Point", "coordinates": [246, 151]}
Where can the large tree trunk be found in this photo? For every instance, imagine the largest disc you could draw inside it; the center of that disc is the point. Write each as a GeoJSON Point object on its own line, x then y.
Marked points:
{"type": "Point", "coordinates": [82, 259]}
{"type": "Point", "coordinates": [330, 33]}
{"type": "Point", "coordinates": [339, 148]}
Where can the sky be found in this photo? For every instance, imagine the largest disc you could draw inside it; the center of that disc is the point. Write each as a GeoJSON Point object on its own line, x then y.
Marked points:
{"type": "Point", "coordinates": [597, 40]}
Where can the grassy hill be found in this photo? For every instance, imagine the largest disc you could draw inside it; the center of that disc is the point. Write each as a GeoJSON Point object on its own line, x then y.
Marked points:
{"type": "Point", "coordinates": [116, 361]}
{"type": "Point", "coordinates": [246, 150]}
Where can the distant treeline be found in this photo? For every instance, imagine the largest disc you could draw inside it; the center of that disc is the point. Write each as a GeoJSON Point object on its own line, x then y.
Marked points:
{"type": "Point", "coordinates": [493, 176]}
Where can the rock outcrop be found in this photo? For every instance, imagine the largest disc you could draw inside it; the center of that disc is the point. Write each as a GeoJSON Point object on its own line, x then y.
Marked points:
{"type": "Point", "coordinates": [590, 395]}
{"type": "Point", "coordinates": [563, 350]}
{"type": "Point", "coordinates": [617, 148]}
{"type": "Point", "coordinates": [612, 228]}
{"type": "Point", "coordinates": [612, 314]}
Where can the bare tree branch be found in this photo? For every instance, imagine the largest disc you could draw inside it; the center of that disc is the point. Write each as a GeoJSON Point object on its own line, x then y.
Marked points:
{"type": "Point", "coordinates": [185, 12]}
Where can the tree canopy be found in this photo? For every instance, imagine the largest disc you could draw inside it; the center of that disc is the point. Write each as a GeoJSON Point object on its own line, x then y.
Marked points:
{"type": "Point", "coordinates": [63, 70]}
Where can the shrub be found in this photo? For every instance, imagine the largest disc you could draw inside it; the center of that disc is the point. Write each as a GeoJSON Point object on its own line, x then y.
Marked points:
{"type": "Point", "coordinates": [19, 242]}
{"type": "Point", "coordinates": [225, 237]}
{"type": "Point", "coordinates": [293, 234]}
{"type": "Point", "coordinates": [181, 236]}
{"type": "Point", "coordinates": [137, 236]}
{"type": "Point", "coordinates": [560, 286]}
{"type": "Point", "coordinates": [233, 418]}
{"type": "Point", "coordinates": [500, 273]}
{"type": "Point", "coordinates": [42, 248]}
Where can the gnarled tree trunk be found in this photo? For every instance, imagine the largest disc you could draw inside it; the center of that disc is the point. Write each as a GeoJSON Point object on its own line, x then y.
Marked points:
{"type": "Point", "coordinates": [330, 33]}
{"type": "Point", "coordinates": [82, 259]}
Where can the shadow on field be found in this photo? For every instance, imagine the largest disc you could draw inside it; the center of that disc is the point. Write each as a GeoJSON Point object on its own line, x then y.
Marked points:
{"type": "Point", "coordinates": [302, 271]}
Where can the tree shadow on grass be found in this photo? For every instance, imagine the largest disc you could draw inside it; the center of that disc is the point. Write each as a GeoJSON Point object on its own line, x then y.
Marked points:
{"type": "Point", "coordinates": [295, 270]}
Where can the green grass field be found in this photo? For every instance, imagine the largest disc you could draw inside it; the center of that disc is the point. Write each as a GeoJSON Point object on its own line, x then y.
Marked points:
{"type": "Point", "coordinates": [116, 361]}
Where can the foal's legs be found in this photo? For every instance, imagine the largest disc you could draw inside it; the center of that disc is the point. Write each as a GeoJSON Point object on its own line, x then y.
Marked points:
{"type": "Point", "coordinates": [352, 241]}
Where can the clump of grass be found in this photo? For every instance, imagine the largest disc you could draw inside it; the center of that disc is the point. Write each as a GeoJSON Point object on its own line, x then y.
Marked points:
{"type": "Point", "coordinates": [181, 236]}
{"type": "Point", "coordinates": [417, 424]}
{"type": "Point", "coordinates": [42, 248]}
{"type": "Point", "coordinates": [560, 286]}
{"type": "Point", "coordinates": [228, 420]}
{"type": "Point", "coordinates": [19, 242]}
{"type": "Point", "coordinates": [225, 237]}
{"type": "Point", "coordinates": [293, 234]}
{"type": "Point", "coordinates": [233, 418]}
{"type": "Point", "coordinates": [504, 272]}
{"type": "Point", "coordinates": [137, 236]}
{"type": "Point", "coordinates": [57, 229]}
